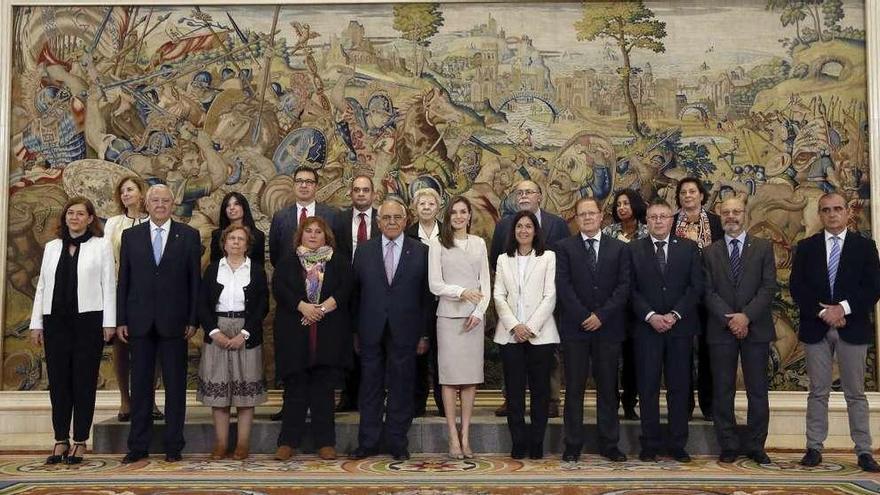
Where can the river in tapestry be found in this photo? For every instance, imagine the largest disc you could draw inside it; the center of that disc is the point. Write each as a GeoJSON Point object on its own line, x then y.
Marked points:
{"type": "Point", "coordinates": [762, 98]}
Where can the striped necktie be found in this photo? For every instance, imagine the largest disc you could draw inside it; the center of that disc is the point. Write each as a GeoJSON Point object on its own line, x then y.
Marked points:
{"type": "Point", "coordinates": [833, 262]}
{"type": "Point", "coordinates": [736, 266]}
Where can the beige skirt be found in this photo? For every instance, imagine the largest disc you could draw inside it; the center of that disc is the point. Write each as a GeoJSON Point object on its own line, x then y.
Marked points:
{"type": "Point", "coordinates": [459, 353]}
{"type": "Point", "coordinates": [231, 377]}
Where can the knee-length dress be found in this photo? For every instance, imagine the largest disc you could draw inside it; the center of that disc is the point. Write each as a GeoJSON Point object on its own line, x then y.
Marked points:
{"type": "Point", "coordinates": [450, 272]}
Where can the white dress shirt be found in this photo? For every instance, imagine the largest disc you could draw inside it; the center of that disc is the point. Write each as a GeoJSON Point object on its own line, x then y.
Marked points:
{"type": "Point", "coordinates": [310, 209]}
{"type": "Point", "coordinates": [742, 243]}
{"type": "Point", "coordinates": [233, 282]}
{"type": "Point", "coordinates": [356, 223]}
{"type": "Point", "coordinates": [841, 237]}
{"type": "Point", "coordinates": [398, 249]}
{"type": "Point", "coordinates": [166, 227]}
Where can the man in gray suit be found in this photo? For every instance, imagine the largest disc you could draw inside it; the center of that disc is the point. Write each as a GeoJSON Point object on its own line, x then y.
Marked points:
{"type": "Point", "coordinates": [740, 285]}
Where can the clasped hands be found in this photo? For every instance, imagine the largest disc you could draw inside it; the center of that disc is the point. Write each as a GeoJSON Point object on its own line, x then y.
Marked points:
{"type": "Point", "coordinates": [474, 297]}
{"type": "Point", "coordinates": [522, 333]}
{"type": "Point", "coordinates": [738, 324]}
{"type": "Point", "coordinates": [122, 333]}
{"type": "Point", "coordinates": [833, 315]}
{"type": "Point", "coordinates": [662, 323]}
{"type": "Point", "coordinates": [592, 323]}
{"type": "Point", "coordinates": [234, 343]}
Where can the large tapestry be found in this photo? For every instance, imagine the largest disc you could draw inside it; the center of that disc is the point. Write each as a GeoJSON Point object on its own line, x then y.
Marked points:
{"type": "Point", "coordinates": [762, 98]}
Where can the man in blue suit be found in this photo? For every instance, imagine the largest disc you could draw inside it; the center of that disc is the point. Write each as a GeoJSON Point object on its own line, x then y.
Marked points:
{"type": "Point", "coordinates": [391, 305]}
{"type": "Point", "coordinates": [286, 221]}
{"type": "Point", "coordinates": [835, 281]}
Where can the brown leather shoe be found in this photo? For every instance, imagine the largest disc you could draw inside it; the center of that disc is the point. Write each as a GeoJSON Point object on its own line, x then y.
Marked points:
{"type": "Point", "coordinates": [219, 452]}
{"type": "Point", "coordinates": [240, 453]}
{"type": "Point", "coordinates": [553, 409]}
{"type": "Point", "coordinates": [327, 453]}
{"type": "Point", "coordinates": [502, 410]}
{"type": "Point", "coordinates": [284, 453]}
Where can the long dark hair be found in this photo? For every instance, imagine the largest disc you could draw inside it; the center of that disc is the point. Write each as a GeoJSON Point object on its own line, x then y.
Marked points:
{"type": "Point", "coordinates": [247, 219]}
{"type": "Point", "coordinates": [446, 234]}
{"type": "Point", "coordinates": [537, 243]}
{"type": "Point", "coordinates": [636, 204]}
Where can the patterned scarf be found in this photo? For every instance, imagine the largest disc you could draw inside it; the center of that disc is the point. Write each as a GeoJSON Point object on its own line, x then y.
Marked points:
{"type": "Point", "coordinates": [698, 231]}
{"type": "Point", "coordinates": [313, 262]}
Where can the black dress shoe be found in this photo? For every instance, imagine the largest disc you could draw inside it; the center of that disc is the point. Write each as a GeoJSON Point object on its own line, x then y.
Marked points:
{"type": "Point", "coordinates": [157, 415]}
{"type": "Point", "coordinates": [134, 456]}
{"type": "Point", "coordinates": [630, 413]}
{"type": "Point", "coordinates": [363, 453]}
{"type": "Point", "coordinates": [680, 455]}
{"type": "Point", "coordinates": [346, 406]}
{"type": "Point", "coordinates": [553, 409]}
{"type": "Point", "coordinates": [123, 417]}
{"type": "Point", "coordinates": [812, 458]}
{"type": "Point", "coordinates": [519, 452]}
{"type": "Point", "coordinates": [614, 455]}
{"type": "Point", "coordinates": [502, 410]}
{"type": "Point", "coordinates": [277, 416]}
{"type": "Point", "coordinates": [709, 417]}
{"type": "Point", "coordinates": [419, 413]}
{"type": "Point", "coordinates": [868, 464]}
{"type": "Point", "coordinates": [760, 457]}
{"type": "Point", "coordinates": [572, 453]}
{"type": "Point", "coordinates": [400, 455]}
{"type": "Point", "coordinates": [536, 451]}
{"type": "Point", "coordinates": [648, 456]}
{"type": "Point", "coordinates": [727, 456]}
{"type": "Point", "coordinates": [173, 457]}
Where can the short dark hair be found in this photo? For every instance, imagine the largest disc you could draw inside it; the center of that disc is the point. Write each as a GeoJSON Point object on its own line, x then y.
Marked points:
{"type": "Point", "coordinates": [636, 203]}
{"type": "Point", "coordinates": [659, 202]}
{"type": "Point", "coordinates": [303, 168]}
{"type": "Point", "coordinates": [361, 175]}
{"type": "Point", "coordinates": [232, 228]}
{"type": "Point", "coordinates": [587, 199]}
{"type": "Point", "coordinates": [96, 227]}
{"type": "Point", "coordinates": [446, 234]}
{"type": "Point", "coordinates": [537, 244]}
{"type": "Point", "coordinates": [320, 222]}
{"type": "Point", "coordinates": [691, 180]}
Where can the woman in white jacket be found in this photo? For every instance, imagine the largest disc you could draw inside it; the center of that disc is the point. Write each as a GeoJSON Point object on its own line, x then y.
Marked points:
{"type": "Point", "coordinates": [75, 299]}
{"type": "Point", "coordinates": [525, 295]}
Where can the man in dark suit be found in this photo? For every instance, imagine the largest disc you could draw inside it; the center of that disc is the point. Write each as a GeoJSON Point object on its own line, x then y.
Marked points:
{"type": "Point", "coordinates": [667, 285]}
{"type": "Point", "coordinates": [835, 282]}
{"type": "Point", "coordinates": [156, 310]}
{"type": "Point", "coordinates": [740, 285]}
{"type": "Point", "coordinates": [592, 287]}
{"type": "Point", "coordinates": [354, 226]}
{"type": "Point", "coordinates": [554, 229]}
{"type": "Point", "coordinates": [391, 304]}
{"type": "Point", "coordinates": [286, 220]}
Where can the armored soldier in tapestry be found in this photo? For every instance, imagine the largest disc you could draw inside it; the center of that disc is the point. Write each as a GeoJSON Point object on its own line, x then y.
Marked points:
{"type": "Point", "coordinates": [762, 99]}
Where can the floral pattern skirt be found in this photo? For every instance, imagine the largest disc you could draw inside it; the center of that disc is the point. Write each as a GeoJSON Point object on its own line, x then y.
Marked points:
{"type": "Point", "coordinates": [231, 377]}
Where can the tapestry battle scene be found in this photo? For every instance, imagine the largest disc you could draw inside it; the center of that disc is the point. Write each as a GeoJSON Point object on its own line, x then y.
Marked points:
{"type": "Point", "coordinates": [763, 98]}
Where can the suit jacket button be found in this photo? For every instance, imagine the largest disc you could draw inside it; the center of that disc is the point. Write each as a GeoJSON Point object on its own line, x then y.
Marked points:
{"type": "Point", "coordinates": [595, 288]}
{"type": "Point", "coordinates": [664, 288]}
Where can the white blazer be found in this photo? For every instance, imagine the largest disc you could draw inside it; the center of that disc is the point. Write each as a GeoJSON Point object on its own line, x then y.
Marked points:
{"type": "Point", "coordinates": [96, 280]}
{"type": "Point", "coordinates": [538, 295]}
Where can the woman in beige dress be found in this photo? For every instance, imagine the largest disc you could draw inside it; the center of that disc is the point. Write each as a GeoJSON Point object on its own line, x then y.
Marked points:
{"type": "Point", "coordinates": [458, 273]}
{"type": "Point", "coordinates": [129, 196]}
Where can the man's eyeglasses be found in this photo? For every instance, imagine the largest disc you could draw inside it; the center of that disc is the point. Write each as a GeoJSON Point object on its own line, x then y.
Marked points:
{"type": "Point", "coordinates": [308, 182]}
{"type": "Point", "coordinates": [395, 218]}
{"type": "Point", "coordinates": [659, 218]}
{"type": "Point", "coordinates": [525, 192]}
{"type": "Point", "coordinates": [588, 214]}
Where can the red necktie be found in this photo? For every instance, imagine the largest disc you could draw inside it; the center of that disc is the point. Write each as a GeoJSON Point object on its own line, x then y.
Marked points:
{"type": "Point", "coordinates": [302, 216]}
{"type": "Point", "coordinates": [362, 228]}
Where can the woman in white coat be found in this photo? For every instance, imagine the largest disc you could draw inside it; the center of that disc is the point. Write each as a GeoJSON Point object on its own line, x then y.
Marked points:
{"type": "Point", "coordinates": [525, 295]}
{"type": "Point", "coordinates": [75, 299]}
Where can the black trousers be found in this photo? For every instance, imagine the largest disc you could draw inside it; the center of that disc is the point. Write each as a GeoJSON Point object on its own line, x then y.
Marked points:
{"type": "Point", "coordinates": [527, 365]}
{"type": "Point", "coordinates": [428, 374]}
{"type": "Point", "coordinates": [352, 382]}
{"type": "Point", "coordinates": [578, 357]}
{"type": "Point", "coordinates": [701, 378]}
{"type": "Point", "coordinates": [309, 390]}
{"type": "Point", "coordinates": [754, 357]}
{"type": "Point", "coordinates": [630, 392]}
{"type": "Point", "coordinates": [395, 360]}
{"type": "Point", "coordinates": [658, 354]}
{"type": "Point", "coordinates": [74, 346]}
{"type": "Point", "coordinates": [173, 357]}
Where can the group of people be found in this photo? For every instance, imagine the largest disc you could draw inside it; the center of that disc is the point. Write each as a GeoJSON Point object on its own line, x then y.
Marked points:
{"type": "Point", "coordinates": [360, 290]}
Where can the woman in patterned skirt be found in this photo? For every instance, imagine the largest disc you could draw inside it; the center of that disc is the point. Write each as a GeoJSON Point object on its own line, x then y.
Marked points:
{"type": "Point", "coordinates": [233, 300]}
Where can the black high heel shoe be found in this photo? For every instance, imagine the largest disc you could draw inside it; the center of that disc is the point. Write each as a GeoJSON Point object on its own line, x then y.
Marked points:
{"type": "Point", "coordinates": [59, 458]}
{"type": "Point", "coordinates": [78, 448]}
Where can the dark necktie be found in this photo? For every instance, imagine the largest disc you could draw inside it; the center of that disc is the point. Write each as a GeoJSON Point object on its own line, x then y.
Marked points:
{"type": "Point", "coordinates": [362, 228]}
{"type": "Point", "coordinates": [661, 256]}
{"type": "Point", "coordinates": [303, 214]}
{"type": "Point", "coordinates": [591, 254]}
{"type": "Point", "coordinates": [736, 266]}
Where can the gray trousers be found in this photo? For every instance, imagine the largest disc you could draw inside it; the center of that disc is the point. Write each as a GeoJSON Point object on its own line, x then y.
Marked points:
{"type": "Point", "coordinates": [851, 362]}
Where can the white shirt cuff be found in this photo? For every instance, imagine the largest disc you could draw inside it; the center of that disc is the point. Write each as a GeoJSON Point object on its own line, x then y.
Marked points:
{"type": "Point", "coordinates": [650, 314]}
{"type": "Point", "coordinates": [246, 334]}
{"type": "Point", "coordinates": [212, 332]}
{"type": "Point", "coordinates": [676, 314]}
{"type": "Point", "coordinates": [846, 309]}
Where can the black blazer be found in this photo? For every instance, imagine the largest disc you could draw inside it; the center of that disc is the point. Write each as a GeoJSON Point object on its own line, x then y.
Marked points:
{"type": "Point", "coordinates": [857, 282]}
{"type": "Point", "coordinates": [716, 230]}
{"type": "Point", "coordinates": [679, 290]}
{"type": "Point", "coordinates": [581, 292]}
{"type": "Point", "coordinates": [256, 302]}
{"type": "Point", "coordinates": [284, 225]}
{"type": "Point", "coordinates": [403, 305]}
{"type": "Point", "coordinates": [257, 254]}
{"type": "Point", "coordinates": [164, 296]}
{"type": "Point", "coordinates": [753, 295]}
{"type": "Point", "coordinates": [553, 227]}
{"type": "Point", "coordinates": [334, 330]}
{"type": "Point", "coordinates": [342, 231]}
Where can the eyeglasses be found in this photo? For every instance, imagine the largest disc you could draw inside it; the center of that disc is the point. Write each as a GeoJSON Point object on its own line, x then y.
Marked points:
{"type": "Point", "coordinates": [588, 214]}
{"type": "Point", "coordinates": [726, 213]}
{"type": "Point", "coordinates": [525, 192]}
{"type": "Point", "coordinates": [389, 218]}
{"type": "Point", "coordinates": [659, 218]}
{"type": "Point", "coordinates": [308, 182]}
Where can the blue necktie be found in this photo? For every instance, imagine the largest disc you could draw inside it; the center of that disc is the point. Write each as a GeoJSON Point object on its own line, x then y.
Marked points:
{"type": "Point", "coordinates": [736, 266]}
{"type": "Point", "coordinates": [833, 261]}
{"type": "Point", "coordinates": [157, 245]}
